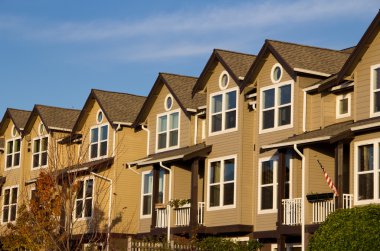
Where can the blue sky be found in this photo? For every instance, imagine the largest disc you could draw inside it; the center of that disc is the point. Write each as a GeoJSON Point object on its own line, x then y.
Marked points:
{"type": "Point", "coordinates": [54, 52]}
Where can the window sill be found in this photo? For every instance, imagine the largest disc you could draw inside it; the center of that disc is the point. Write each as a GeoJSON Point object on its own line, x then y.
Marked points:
{"type": "Point", "coordinates": [11, 168]}
{"type": "Point", "coordinates": [221, 208]}
{"type": "Point", "coordinates": [166, 149]}
{"type": "Point", "coordinates": [275, 129]}
{"type": "Point", "coordinates": [145, 216]}
{"type": "Point", "coordinates": [210, 134]}
{"type": "Point", "coordinates": [267, 211]}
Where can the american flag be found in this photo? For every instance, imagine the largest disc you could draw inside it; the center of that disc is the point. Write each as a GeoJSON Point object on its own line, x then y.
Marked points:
{"type": "Point", "coordinates": [329, 181]}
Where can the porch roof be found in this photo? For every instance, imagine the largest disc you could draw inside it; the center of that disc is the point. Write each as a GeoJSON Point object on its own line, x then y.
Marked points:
{"type": "Point", "coordinates": [87, 167]}
{"type": "Point", "coordinates": [184, 153]}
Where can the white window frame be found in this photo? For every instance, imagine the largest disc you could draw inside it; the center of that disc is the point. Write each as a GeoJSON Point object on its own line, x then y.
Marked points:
{"type": "Point", "coordinates": [272, 73]}
{"type": "Point", "coordinates": [223, 112]}
{"type": "Point", "coordinates": [40, 152]}
{"type": "Point", "coordinates": [338, 99]}
{"type": "Point", "coordinates": [10, 203]}
{"type": "Point", "coordinates": [99, 126]}
{"type": "Point", "coordinates": [220, 80]}
{"type": "Point", "coordinates": [168, 130]}
{"type": "Point", "coordinates": [274, 184]}
{"type": "Point", "coordinates": [276, 107]}
{"type": "Point", "coordinates": [288, 246]}
{"type": "Point", "coordinates": [142, 215]}
{"type": "Point", "coordinates": [13, 154]}
{"type": "Point", "coordinates": [373, 90]}
{"type": "Point", "coordinates": [376, 172]}
{"type": "Point", "coordinates": [84, 199]}
{"type": "Point", "coordinates": [221, 182]}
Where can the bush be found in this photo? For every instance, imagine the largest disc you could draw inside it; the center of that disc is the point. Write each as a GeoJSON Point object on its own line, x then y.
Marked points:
{"type": "Point", "coordinates": [349, 229]}
{"type": "Point", "coordinates": [218, 243]}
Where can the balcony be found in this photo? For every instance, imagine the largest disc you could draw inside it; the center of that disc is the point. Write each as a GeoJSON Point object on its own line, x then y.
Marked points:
{"type": "Point", "coordinates": [182, 215]}
{"type": "Point", "coordinates": [320, 209]}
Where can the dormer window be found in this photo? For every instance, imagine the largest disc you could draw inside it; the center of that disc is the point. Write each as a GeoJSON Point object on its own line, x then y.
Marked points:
{"type": "Point", "coordinates": [168, 130]}
{"type": "Point", "coordinates": [13, 150]}
{"type": "Point", "coordinates": [276, 73]}
{"type": "Point", "coordinates": [375, 90]}
{"type": "Point", "coordinates": [40, 148]}
{"type": "Point", "coordinates": [224, 79]}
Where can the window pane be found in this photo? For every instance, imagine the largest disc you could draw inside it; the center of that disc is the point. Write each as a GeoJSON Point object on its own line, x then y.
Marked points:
{"type": "Point", "coordinates": [365, 186]}
{"type": "Point", "coordinates": [13, 212]}
{"type": "Point", "coordinates": [161, 187]}
{"type": "Point", "coordinates": [44, 144]}
{"type": "Point", "coordinates": [214, 195]}
{"type": "Point", "coordinates": [161, 140]}
{"type": "Point", "coordinates": [229, 170]}
{"type": "Point", "coordinates": [268, 119]}
{"type": "Point", "coordinates": [174, 120]}
{"type": "Point", "coordinates": [377, 101]}
{"type": "Point", "coordinates": [89, 187]}
{"type": "Point", "coordinates": [44, 159]}
{"type": "Point", "coordinates": [173, 138]}
{"type": "Point", "coordinates": [17, 145]}
{"type": "Point", "coordinates": [148, 183]}
{"type": "Point", "coordinates": [88, 208]}
{"type": "Point", "coordinates": [80, 190]}
{"type": "Point", "coordinates": [267, 172]}
{"type": "Point", "coordinates": [287, 191]}
{"type": "Point", "coordinates": [10, 147]}
{"type": "Point", "coordinates": [284, 116]}
{"type": "Point", "coordinates": [79, 208]}
{"type": "Point", "coordinates": [216, 122]}
{"type": "Point", "coordinates": [343, 106]}
{"type": "Point", "coordinates": [36, 147]}
{"type": "Point", "coordinates": [216, 103]}
{"type": "Point", "coordinates": [104, 132]}
{"type": "Point", "coordinates": [147, 204]}
{"type": "Point", "coordinates": [36, 160]}
{"type": "Point", "coordinates": [268, 98]}
{"type": "Point", "coordinates": [365, 158]}
{"type": "Point", "coordinates": [377, 78]}
{"type": "Point", "coordinates": [9, 161]}
{"type": "Point", "coordinates": [94, 135]}
{"type": "Point", "coordinates": [7, 196]}
{"type": "Point", "coordinates": [17, 159]}
{"type": "Point", "coordinates": [230, 119]}
{"type": "Point", "coordinates": [228, 194]}
{"type": "Point", "coordinates": [267, 197]}
{"type": "Point", "coordinates": [94, 150]}
{"type": "Point", "coordinates": [162, 123]}
{"type": "Point", "coordinates": [14, 195]}
{"type": "Point", "coordinates": [5, 213]}
{"type": "Point", "coordinates": [231, 100]}
{"type": "Point", "coordinates": [285, 94]}
{"type": "Point", "coordinates": [103, 148]}
{"type": "Point", "coordinates": [215, 172]}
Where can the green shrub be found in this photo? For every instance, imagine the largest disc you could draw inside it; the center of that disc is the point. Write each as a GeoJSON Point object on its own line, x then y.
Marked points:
{"type": "Point", "coordinates": [349, 229]}
{"type": "Point", "coordinates": [219, 243]}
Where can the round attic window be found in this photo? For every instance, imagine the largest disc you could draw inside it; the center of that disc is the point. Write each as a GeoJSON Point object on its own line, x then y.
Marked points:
{"type": "Point", "coordinates": [224, 80]}
{"type": "Point", "coordinates": [168, 102]}
{"type": "Point", "coordinates": [14, 131]}
{"type": "Point", "coordinates": [41, 129]}
{"type": "Point", "coordinates": [276, 73]}
{"type": "Point", "coordinates": [99, 117]}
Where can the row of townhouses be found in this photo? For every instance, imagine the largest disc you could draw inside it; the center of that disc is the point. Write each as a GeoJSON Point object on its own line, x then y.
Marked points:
{"type": "Point", "coordinates": [242, 148]}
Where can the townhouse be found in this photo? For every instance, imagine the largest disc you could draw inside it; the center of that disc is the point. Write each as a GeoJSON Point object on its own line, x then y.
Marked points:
{"type": "Point", "coordinates": [240, 151]}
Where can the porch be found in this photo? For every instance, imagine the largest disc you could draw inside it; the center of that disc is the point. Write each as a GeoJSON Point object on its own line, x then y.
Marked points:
{"type": "Point", "coordinates": [182, 215]}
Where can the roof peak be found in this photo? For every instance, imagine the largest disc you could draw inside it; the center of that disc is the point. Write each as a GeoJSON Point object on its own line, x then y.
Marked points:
{"type": "Point", "coordinates": [305, 45]}
{"type": "Point", "coordinates": [56, 107]}
{"type": "Point", "coordinates": [16, 109]}
{"type": "Point", "coordinates": [236, 52]}
{"type": "Point", "coordinates": [175, 74]}
{"type": "Point", "coordinates": [125, 93]}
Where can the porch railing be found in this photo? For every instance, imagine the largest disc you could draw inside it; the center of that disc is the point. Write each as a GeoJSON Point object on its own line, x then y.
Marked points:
{"type": "Point", "coordinates": [162, 217]}
{"type": "Point", "coordinates": [292, 211]}
{"type": "Point", "coordinates": [201, 210]}
{"type": "Point", "coordinates": [182, 216]}
{"type": "Point", "coordinates": [322, 209]}
{"type": "Point", "coordinates": [348, 201]}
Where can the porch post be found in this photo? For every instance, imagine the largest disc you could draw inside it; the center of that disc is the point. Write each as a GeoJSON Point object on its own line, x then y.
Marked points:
{"type": "Point", "coordinates": [156, 177]}
{"type": "Point", "coordinates": [339, 166]}
{"type": "Point", "coordinates": [194, 193]}
{"type": "Point", "coordinates": [281, 185]}
{"type": "Point", "coordinates": [281, 242]}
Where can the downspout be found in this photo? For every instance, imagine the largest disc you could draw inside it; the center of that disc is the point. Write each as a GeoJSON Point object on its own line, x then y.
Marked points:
{"type": "Point", "coordinates": [147, 146]}
{"type": "Point", "coordinates": [109, 207]}
{"type": "Point", "coordinates": [170, 198]}
{"type": "Point", "coordinates": [303, 197]}
{"type": "Point", "coordinates": [130, 168]}
{"type": "Point", "coordinates": [304, 111]}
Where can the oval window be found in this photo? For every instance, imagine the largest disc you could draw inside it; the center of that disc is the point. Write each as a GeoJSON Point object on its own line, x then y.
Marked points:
{"type": "Point", "coordinates": [276, 73]}
{"type": "Point", "coordinates": [14, 131]}
{"type": "Point", "coordinates": [168, 102]}
{"type": "Point", "coordinates": [99, 117]}
{"type": "Point", "coordinates": [223, 80]}
{"type": "Point", "coordinates": [41, 129]}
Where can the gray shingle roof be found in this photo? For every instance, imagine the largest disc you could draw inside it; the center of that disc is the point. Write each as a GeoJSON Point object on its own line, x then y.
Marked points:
{"type": "Point", "coordinates": [182, 87]}
{"type": "Point", "coordinates": [19, 117]}
{"type": "Point", "coordinates": [57, 117]}
{"type": "Point", "coordinates": [119, 107]}
{"type": "Point", "coordinates": [311, 58]}
{"type": "Point", "coordinates": [239, 63]}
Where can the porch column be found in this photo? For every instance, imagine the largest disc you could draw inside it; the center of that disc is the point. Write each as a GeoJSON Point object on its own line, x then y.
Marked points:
{"type": "Point", "coordinates": [281, 243]}
{"type": "Point", "coordinates": [281, 185]}
{"type": "Point", "coordinates": [341, 171]}
{"type": "Point", "coordinates": [156, 177]}
{"type": "Point", "coordinates": [194, 193]}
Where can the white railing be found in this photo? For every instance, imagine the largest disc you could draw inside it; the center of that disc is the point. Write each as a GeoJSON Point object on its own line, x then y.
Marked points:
{"type": "Point", "coordinates": [201, 210]}
{"type": "Point", "coordinates": [162, 217]}
{"type": "Point", "coordinates": [292, 211]}
{"type": "Point", "coordinates": [348, 200]}
{"type": "Point", "coordinates": [182, 215]}
{"type": "Point", "coordinates": [322, 209]}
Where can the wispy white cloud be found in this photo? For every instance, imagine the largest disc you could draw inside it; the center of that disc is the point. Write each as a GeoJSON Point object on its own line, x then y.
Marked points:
{"type": "Point", "coordinates": [186, 33]}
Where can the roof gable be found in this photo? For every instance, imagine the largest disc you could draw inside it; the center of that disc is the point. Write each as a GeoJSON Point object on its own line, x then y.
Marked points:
{"type": "Point", "coordinates": [236, 64]}
{"type": "Point", "coordinates": [19, 118]}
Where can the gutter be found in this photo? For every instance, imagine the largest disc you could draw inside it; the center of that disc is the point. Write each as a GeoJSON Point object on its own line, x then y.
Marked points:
{"type": "Point", "coordinates": [170, 198]}
{"type": "Point", "coordinates": [148, 131]}
{"type": "Point", "coordinates": [363, 127]}
{"type": "Point", "coordinates": [312, 72]}
{"type": "Point", "coordinates": [59, 129]}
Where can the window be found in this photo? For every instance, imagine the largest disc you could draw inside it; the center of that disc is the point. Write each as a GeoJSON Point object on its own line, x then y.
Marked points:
{"type": "Point", "coordinates": [375, 90]}
{"type": "Point", "coordinates": [276, 73]}
{"type": "Point", "coordinates": [10, 204]}
{"type": "Point", "coordinates": [343, 105]}
{"type": "Point", "coordinates": [168, 130]}
{"type": "Point", "coordinates": [367, 172]}
{"type": "Point", "coordinates": [40, 152]}
{"type": "Point", "coordinates": [99, 117]}
{"type": "Point", "coordinates": [224, 79]}
{"type": "Point", "coordinates": [84, 198]}
{"type": "Point", "coordinates": [13, 152]}
{"type": "Point", "coordinates": [147, 192]}
{"type": "Point", "coordinates": [222, 176]}
{"type": "Point", "coordinates": [223, 111]}
{"type": "Point", "coordinates": [168, 102]}
{"type": "Point", "coordinates": [99, 141]}
{"type": "Point", "coordinates": [288, 175]}
{"type": "Point", "coordinates": [276, 107]}
{"type": "Point", "coordinates": [267, 185]}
